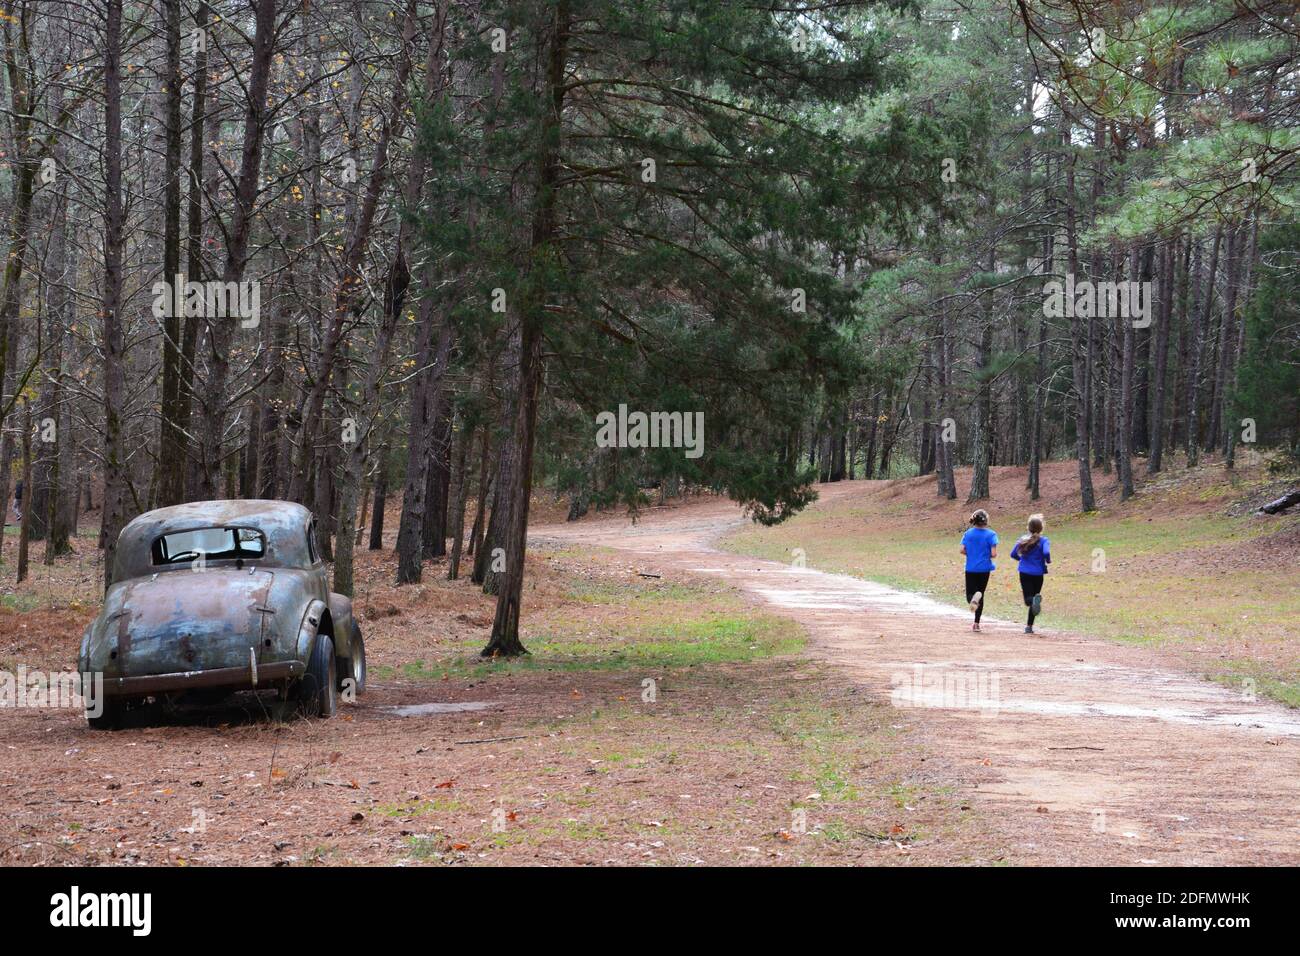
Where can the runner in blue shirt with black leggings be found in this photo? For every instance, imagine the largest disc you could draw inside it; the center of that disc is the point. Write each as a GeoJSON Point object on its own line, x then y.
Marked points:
{"type": "Point", "coordinates": [980, 545]}
{"type": "Point", "coordinates": [1034, 552]}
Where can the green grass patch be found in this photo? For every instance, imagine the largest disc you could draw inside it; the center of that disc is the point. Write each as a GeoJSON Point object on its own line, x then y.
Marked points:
{"type": "Point", "coordinates": [1252, 680]}
{"type": "Point", "coordinates": [20, 603]}
{"type": "Point", "coordinates": [419, 808]}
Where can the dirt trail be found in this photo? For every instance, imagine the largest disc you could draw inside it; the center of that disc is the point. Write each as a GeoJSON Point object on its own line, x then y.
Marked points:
{"type": "Point", "coordinates": [1081, 750]}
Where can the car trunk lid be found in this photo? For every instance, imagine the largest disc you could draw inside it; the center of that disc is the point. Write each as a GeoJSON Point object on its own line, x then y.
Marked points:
{"type": "Point", "coordinates": [190, 620]}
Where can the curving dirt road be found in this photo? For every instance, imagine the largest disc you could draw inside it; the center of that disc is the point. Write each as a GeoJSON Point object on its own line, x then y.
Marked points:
{"type": "Point", "coordinates": [1081, 751]}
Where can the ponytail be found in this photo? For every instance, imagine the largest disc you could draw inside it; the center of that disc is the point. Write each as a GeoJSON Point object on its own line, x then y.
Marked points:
{"type": "Point", "coordinates": [1030, 541]}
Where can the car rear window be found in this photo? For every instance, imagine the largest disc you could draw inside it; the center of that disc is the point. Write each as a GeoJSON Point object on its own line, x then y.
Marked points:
{"type": "Point", "coordinates": [210, 544]}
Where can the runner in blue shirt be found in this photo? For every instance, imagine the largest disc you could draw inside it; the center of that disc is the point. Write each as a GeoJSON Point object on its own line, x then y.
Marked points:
{"type": "Point", "coordinates": [1034, 552]}
{"type": "Point", "coordinates": [980, 545]}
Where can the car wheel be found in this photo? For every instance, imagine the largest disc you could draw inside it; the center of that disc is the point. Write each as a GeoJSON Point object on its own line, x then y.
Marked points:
{"type": "Point", "coordinates": [355, 666]}
{"type": "Point", "coordinates": [110, 718]}
{"type": "Point", "coordinates": [318, 690]}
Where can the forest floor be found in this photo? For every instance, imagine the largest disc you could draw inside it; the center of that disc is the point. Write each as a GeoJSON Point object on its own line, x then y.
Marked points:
{"type": "Point", "coordinates": [656, 721]}
{"type": "Point", "coordinates": [1093, 751]}
{"type": "Point", "coordinates": [732, 710]}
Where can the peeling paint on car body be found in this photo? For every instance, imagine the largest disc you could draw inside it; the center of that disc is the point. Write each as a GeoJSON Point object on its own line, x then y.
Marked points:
{"type": "Point", "coordinates": [219, 622]}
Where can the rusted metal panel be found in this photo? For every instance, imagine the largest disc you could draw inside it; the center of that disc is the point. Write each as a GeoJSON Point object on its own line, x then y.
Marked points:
{"type": "Point", "coordinates": [187, 620]}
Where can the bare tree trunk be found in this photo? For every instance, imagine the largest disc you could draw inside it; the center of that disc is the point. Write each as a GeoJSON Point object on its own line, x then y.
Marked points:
{"type": "Point", "coordinates": [65, 498]}
{"type": "Point", "coordinates": [476, 530]}
{"type": "Point", "coordinates": [1188, 257]}
{"type": "Point", "coordinates": [505, 627]}
{"type": "Point", "coordinates": [485, 572]}
{"type": "Point", "coordinates": [1032, 481]}
{"type": "Point", "coordinates": [8, 387]}
{"type": "Point", "coordinates": [434, 533]}
{"type": "Point", "coordinates": [1081, 339]}
{"type": "Point", "coordinates": [1021, 426]}
{"type": "Point", "coordinates": [982, 447]}
{"type": "Point", "coordinates": [1243, 295]}
{"type": "Point", "coordinates": [55, 520]}
{"type": "Point", "coordinates": [171, 447]}
{"type": "Point", "coordinates": [1040, 401]}
{"type": "Point", "coordinates": [43, 489]}
{"type": "Point", "coordinates": [459, 489]}
{"type": "Point", "coordinates": [271, 464]}
{"type": "Point", "coordinates": [381, 499]}
{"type": "Point", "coordinates": [410, 529]}
{"type": "Point", "coordinates": [1201, 319]}
{"type": "Point", "coordinates": [869, 463]}
{"type": "Point", "coordinates": [1227, 341]}
{"type": "Point", "coordinates": [1124, 407]}
{"type": "Point", "coordinates": [200, 131]}
{"type": "Point", "coordinates": [943, 449]}
{"type": "Point", "coordinates": [1164, 317]}
{"type": "Point", "coordinates": [25, 527]}
{"type": "Point", "coordinates": [112, 339]}
{"type": "Point", "coordinates": [24, 172]}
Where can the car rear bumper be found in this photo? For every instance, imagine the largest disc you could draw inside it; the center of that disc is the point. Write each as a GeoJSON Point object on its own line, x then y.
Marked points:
{"type": "Point", "coordinates": [237, 678]}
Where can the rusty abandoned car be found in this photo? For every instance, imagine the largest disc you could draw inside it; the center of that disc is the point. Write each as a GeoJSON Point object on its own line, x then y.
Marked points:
{"type": "Point", "coordinates": [214, 597]}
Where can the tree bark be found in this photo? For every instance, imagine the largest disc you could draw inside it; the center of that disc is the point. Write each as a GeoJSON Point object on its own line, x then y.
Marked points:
{"type": "Point", "coordinates": [1080, 337]}
{"type": "Point", "coordinates": [200, 123]}
{"type": "Point", "coordinates": [1125, 338]}
{"type": "Point", "coordinates": [476, 530]}
{"type": "Point", "coordinates": [943, 449]}
{"type": "Point", "coordinates": [55, 520]}
{"type": "Point", "coordinates": [1242, 301]}
{"type": "Point", "coordinates": [114, 516]}
{"type": "Point", "coordinates": [171, 446]}
{"type": "Point", "coordinates": [434, 322]}
{"type": "Point", "coordinates": [983, 438]}
{"type": "Point", "coordinates": [434, 530]}
{"type": "Point", "coordinates": [484, 572]}
{"type": "Point", "coordinates": [25, 527]}
{"type": "Point", "coordinates": [1227, 341]}
{"type": "Point", "coordinates": [1201, 319]}
{"type": "Point", "coordinates": [459, 493]}
{"type": "Point", "coordinates": [505, 627]}
{"type": "Point", "coordinates": [381, 500]}
{"type": "Point", "coordinates": [24, 172]}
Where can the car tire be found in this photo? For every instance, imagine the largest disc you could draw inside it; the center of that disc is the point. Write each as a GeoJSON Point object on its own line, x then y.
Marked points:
{"type": "Point", "coordinates": [354, 666]}
{"type": "Point", "coordinates": [318, 691]}
{"type": "Point", "coordinates": [111, 717]}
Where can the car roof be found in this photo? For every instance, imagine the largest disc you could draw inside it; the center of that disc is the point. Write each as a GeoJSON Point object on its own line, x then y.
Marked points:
{"type": "Point", "coordinates": [205, 514]}
{"type": "Point", "coordinates": [282, 522]}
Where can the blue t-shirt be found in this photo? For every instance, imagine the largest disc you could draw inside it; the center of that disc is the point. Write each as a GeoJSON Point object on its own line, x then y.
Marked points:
{"type": "Point", "coordinates": [979, 544]}
{"type": "Point", "coordinates": [1036, 559]}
